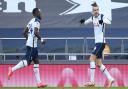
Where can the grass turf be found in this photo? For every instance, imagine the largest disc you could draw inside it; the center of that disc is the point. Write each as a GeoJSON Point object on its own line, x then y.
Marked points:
{"type": "Point", "coordinates": [63, 88]}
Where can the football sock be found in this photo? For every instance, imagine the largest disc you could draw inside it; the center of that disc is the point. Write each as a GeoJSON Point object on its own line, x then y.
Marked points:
{"type": "Point", "coordinates": [92, 71]}
{"type": "Point", "coordinates": [21, 64]}
{"type": "Point", "coordinates": [37, 73]}
{"type": "Point", "coordinates": [105, 72]}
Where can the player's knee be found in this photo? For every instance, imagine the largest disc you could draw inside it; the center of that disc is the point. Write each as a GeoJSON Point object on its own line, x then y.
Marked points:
{"type": "Point", "coordinates": [28, 62]}
{"type": "Point", "coordinates": [98, 64]}
{"type": "Point", "coordinates": [36, 61]}
{"type": "Point", "coordinates": [25, 62]}
{"type": "Point", "coordinates": [92, 58]}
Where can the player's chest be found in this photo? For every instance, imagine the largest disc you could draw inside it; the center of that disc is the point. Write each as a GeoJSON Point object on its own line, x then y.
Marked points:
{"type": "Point", "coordinates": [96, 22]}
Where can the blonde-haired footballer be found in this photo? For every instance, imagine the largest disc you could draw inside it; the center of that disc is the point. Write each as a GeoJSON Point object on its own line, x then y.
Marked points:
{"type": "Point", "coordinates": [99, 21]}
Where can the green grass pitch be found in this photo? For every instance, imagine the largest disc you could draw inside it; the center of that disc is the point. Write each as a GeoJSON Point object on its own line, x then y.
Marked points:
{"type": "Point", "coordinates": [63, 88]}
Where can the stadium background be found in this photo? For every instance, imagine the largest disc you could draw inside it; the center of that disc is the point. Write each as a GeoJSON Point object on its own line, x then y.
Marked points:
{"type": "Point", "coordinates": [54, 25]}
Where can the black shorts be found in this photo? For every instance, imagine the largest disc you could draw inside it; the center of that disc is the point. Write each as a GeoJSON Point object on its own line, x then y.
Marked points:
{"type": "Point", "coordinates": [31, 53]}
{"type": "Point", "coordinates": [98, 50]}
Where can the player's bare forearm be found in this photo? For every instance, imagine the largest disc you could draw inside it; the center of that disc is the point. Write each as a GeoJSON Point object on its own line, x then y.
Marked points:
{"type": "Point", "coordinates": [37, 34]}
{"type": "Point", "coordinates": [26, 36]}
{"type": "Point", "coordinates": [25, 33]}
{"type": "Point", "coordinates": [106, 21]}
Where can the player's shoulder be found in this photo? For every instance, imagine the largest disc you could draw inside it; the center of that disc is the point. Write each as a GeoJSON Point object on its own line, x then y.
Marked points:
{"type": "Point", "coordinates": [31, 21]}
{"type": "Point", "coordinates": [101, 16]}
{"type": "Point", "coordinates": [36, 21]}
{"type": "Point", "coordinates": [90, 18]}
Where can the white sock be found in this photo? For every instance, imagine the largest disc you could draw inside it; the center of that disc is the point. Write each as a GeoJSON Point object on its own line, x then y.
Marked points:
{"type": "Point", "coordinates": [21, 64]}
{"type": "Point", "coordinates": [92, 71]}
{"type": "Point", "coordinates": [106, 73]}
{"type": "Point", "coordinates": [37, 73]}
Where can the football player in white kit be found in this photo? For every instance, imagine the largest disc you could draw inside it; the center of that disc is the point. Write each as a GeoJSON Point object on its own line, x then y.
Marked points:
{"type": "Point", "coordinates": [99, 21]}
{"type": "Point", "coordinates": [32, 35]}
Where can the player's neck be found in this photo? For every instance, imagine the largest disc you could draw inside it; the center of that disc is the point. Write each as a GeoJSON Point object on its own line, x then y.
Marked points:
{"type": "Point", "coordinates": [96, 16]}
{"type": "Point", "coordinates": [37, 17]}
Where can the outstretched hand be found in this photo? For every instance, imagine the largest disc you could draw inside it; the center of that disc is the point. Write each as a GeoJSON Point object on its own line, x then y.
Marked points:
{"type": "Point", "coordinates": [100, 21]}
{"type": "Point", "coordinates": [43, 42]}
{"type": "Point", "coordinates": [82, 21]}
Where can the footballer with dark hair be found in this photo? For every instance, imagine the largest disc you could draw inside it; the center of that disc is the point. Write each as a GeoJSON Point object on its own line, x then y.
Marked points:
{"type": "Point", "coordinates": [32, 35]}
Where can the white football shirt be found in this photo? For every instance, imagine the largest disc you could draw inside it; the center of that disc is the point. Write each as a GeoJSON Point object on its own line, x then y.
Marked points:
{"type": "Point", "coordinates": [32, 39]}
{"type": "Point", "coordinates": [99, 29]}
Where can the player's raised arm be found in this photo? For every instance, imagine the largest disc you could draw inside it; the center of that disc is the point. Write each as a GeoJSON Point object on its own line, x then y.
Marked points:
{"type": "Point", "coordinates": [25, 32]}
{"type": "Point", "coordinates": [106, 20]}
{"type": "Point", "coordinates": [88, 21]}
{"type": "Point", "coordinates": [85, 22]}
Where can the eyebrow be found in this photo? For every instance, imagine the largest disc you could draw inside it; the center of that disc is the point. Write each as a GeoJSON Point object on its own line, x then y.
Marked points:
{"type": "Point", "coordinates": [96, 9]}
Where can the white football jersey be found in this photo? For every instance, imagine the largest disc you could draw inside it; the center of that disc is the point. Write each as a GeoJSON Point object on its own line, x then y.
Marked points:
{"type": "Point", "coordinates": [99, 29]}
{"type": "Point", "coordinates": [32, 39]}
